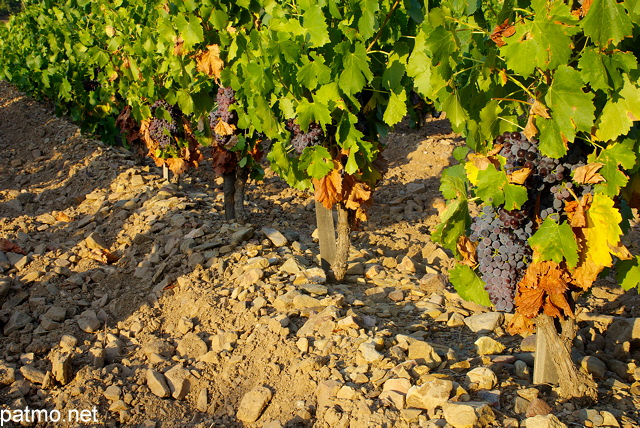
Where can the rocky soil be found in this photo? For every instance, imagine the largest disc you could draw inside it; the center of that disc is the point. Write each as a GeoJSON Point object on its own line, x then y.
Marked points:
{"type": "Point", "coordinates": [127, 294]}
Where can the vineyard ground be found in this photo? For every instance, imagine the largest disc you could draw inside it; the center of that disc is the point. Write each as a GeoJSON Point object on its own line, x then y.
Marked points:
{"type": "Point", "coordinates": [135, 297]}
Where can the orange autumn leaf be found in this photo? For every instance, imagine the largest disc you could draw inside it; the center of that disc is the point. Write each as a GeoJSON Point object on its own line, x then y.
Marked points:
{"type": "Point", "coordinates": [520, 324]}
{"type": "Point", "coordinates": [556, 303]}
{"type": "Point", "coordinates": [328, 189]}
{"type": "Point", "coordinates": [543, 284]}
{"type": "Point", "coordinates": [176, 165]}
{"type": "Point", "coordinates": [358, 195]}
{"type": "Point", "coordinates": [209, 62]}
{"type": "Point", "coordinates": [577, 211]}
{"type": "Point", "coordinates": [588, 174]}
{"type": "Point", "coordinates": [503, 30]}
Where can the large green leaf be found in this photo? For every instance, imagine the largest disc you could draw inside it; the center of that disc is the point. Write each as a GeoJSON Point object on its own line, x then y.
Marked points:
{"type": "Point", "coordinates": [316, 25]}
{"type": "Point", "coordinates": [397, 107]}
{"type": "Point", "coordinates": [553, 241]}
{"type": "Point", "coordinates": [572, 109]}
{"type": "Point", "coordinates": [607, 22]}
{"type": "Point", "coordinates": [620, 112]}
{"type": "Point", "coordinates": [356, 72]}
{"type": "Point", "coordinates": [469, 285]}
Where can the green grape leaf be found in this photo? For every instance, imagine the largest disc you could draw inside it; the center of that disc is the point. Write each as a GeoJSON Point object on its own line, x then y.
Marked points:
{"type": "Point", "coordinates": [551, 142]}
{"type": "Point", "coordinates": [514, 196]}
{"type": "Point", "coordinates": [441, 44]}
{"type": "Point", "coordinates": [454, 182]}
{"type": "Point", "coordinates": [620, 112]}
{"type": "Point", "coordinates": [191, 30]}
{"type": "Point", "coordinates": [460, 153]}
{"type": "Point", "coordinates": [320, 162]}
{"type": "Point", "coordinates": [543, 42]}
{"type": "Point", "coordinates": [628, 273]}
{"type": "Point", "coordinates": [593, 70]}
{"type": "Point", "coordinates": [494, 188]}
{"type": "Point", "coordinates": [455, 112]}
{"type": "Point", "coordinates": [469, 285]}
{"type": "Point", "coordinates": [356, 72]}
{"type": "Point", "coordinates": [571, 109]}
{"type": "Point", "coordinates": [553, 241]}
{"type": "Point", "coordinates": [606, 22]}
{"type": "Point", "coordinates": [454, 222]}
{"type": "Point", "coordinates": [367, 22]}
{"type": "Point", "coordinates": [419, 69]}
{"type": "Point", "coordinates": [315, 23]}
{"type": "Point", "coordinates": [309, 112]}
{"type": "Point", "coordinates": [313, 74]}
{"type": "Point", "coordinates": [614, 156]}
{"type": "Point", "coordinates": [397, 108]}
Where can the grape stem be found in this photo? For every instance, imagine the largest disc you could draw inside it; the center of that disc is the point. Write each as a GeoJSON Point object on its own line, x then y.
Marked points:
{"type": "Point", "coordinates": [386, 19]}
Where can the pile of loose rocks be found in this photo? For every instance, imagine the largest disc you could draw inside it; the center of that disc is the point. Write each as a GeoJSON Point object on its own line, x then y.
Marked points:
{"type": "Point", "coordinates": [132, 298]}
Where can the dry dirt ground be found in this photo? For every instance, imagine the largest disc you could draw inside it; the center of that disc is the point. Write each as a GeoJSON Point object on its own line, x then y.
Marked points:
{"type": "Point", "coordinates": [131, 299]}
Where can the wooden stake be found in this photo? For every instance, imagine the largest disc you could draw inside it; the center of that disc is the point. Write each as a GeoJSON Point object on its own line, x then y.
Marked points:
{"type": "Point", "coordinates": [326, 235]}
{"type": "Point", "coordinates": [165, 172]}
{"type": "Point", "coordinates": [544, 369]}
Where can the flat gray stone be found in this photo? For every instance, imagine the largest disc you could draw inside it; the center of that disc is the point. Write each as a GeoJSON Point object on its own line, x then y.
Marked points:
{"type": "Point", "coordinates": [275, 236]}
{"type": "Point", "coordinates": [17, 321]}
{"type": "Point", "coordinates": [484, 323]}
{"type": "Point", "coordinates": [178, 380]}
{"type": "Point", "coordinates": [471, 414]}
{"type": "Point", "coordinates": [429, 395]}
{"type": "Point", "coordinates": [157, 384]}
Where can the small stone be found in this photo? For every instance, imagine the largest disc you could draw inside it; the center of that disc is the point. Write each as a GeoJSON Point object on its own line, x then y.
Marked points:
{"type": "Point", "coordinates": [191, 346]}
{"type": "Point", "coordinates": [253, 403]}
{"type": "Point", "coordinates": [522, 370]}
{"type": "Point", "coordinates": [433, 283]}
{"type": "Point", "coordinates": [430, 395]}
{"type": "Point", "coordinates": [369, 352]}
{"type": "Point", "coordinates": [394, 391]}
{"type": "Point", "coordinates": [482, 378]}
{"type": "Point", "coordinates": [275, 236]}
{"type": "Point", "coordinates": [484, 323]}
{"type": "Point", "coordinates": [608, 420]}
{"type": "Point", "coordinates": [520, 405]}
{"type": "Point", "coordinates": [250, 277]}
{"type": "Point", "coordinates": [202, 404]}
{"type": "Point", "coordinates": [304, 301]}
{"type": "Point", "coordinates": [317, 289]}
{"type": "Point", "coordinates": [157, 384]}
{"type": "Point", "coordinates": [112, 393]}
{"type": "Point", "coordinates": [407, 265]}
{"type": "Point", "coordinates": [312, 275]}
{"type": "Point", "coordinates": [241, 235]}
{"type": "Point", "coordinates": [303, 344]}
{"type": "Point", "coordinates": [17, 321]}
{"type": "Point", "coordinates": [488, 346]}
{"type": "Point", "coordinates": [178, 381]}
{"type": "Point", "coordinates": [424, 354]}
{"type": "Point", "coordinates": [396, 296]}
{"type": "Point", "coordinates": [89, 324]}
{"type": "Point", "coordinates": [118, 406]}
{"type": "Point", "coordinates": [548, 421]}
{"type": "Point", "coordinates": [7, 374]}
{"type": "Point", "coordinates": [468, 415]}
{"type": "Point", "coordinates": [346, 393]}
{"type": "Point", "coordinates": [528, 344]}
{"type": "Point", "coordinates": [68, 342]}
{"type": "Point", "coordinates": [61, 367]}
{"type": "Point", "coordinates": [594, 365]}
{"type": "Point", "coordinates": [456, 320]}
{"type": "Point", "coordinates": [32, 374]}
{"type": "Point", "coordinates": [538, 407]}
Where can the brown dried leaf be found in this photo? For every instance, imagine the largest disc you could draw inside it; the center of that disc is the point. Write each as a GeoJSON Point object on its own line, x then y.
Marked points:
{"type": "Point", "coordinates": [223, 129]}
{"type": "Point", "coordinates": [178, 46]}
{"type": "Point", "coordinates": [542, 280]}
{"type": "Point", "coordinates": [209, 62]}
{"type": "Point", "coordinates": [586, 273]}
{"type": "Point", "coordinates": [328, 189]}
{"type": "Point", "coordinates": [7, 246]}
{"type": "Point", "coordinates": [520, 176]}
{"type": "Point", "coordinates": [530, 129]}
{"type": "Point", "coordinates": [588, 174]}
{"type": "Point", "coordinates": [631, 192]}
{"type": "Point", "coordinates": [103, 256]}
{"type": "Point", "coordinates": [540, 109]}
{"type": "Point", "coordinates": [358, 195]}
{"type": "Point", "coordinates": [582, 11]}
{"type": "Point", "coordinates": [482, 162]}
{"type": "Point", "coordinates": [223, 161]}
{"type": "Point", "coordinates": [520, 324]}
{"type": "Point", "coordinates": [558, 301]}
{"type": "Point", "coordinates": [467, 248]}
{"type": "Point", "coordinates": [176, 165]}
{"type": "Point", "coordinates": [495, 150]}
{"type": "Point", "coordinates": [577, 211]}
{"type": "Point", "coordinates": [503, 30]}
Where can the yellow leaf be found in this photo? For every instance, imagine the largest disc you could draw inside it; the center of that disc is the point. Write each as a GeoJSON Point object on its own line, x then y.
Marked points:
{"type": "Point", "coordinates": [110, 31]}
{"type": "Point", "coordinates": [209, 61]}
{"type": "Point", "coordinates": [478, 163]}
{"type": "Point", "coordinates": [603, 230]}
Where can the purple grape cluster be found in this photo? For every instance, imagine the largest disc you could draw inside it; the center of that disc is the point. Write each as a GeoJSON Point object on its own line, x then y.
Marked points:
{"type": "Point", "coordinates": [503, 252]}
{"type": "Point", "coordinates": [225, 98]}
{"type": "Point", "coordinates": [162, 130]}
{"type": "Point", "coordinates": [502, 236]}
{"type": "Point", "coordinates": [301, 140]}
